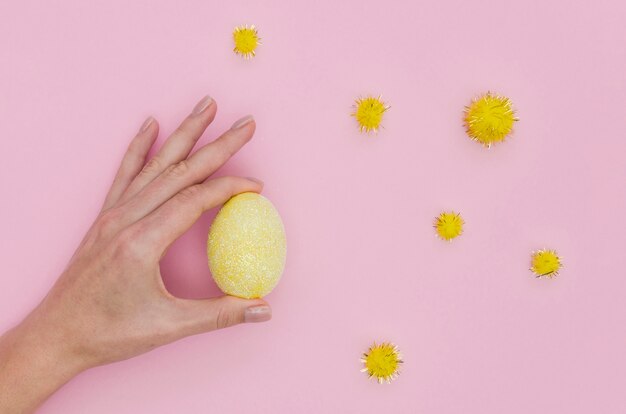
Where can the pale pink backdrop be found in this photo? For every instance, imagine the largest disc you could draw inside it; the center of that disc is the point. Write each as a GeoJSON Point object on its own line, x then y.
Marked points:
{"type": "Point", "coordinates": [479, 333]}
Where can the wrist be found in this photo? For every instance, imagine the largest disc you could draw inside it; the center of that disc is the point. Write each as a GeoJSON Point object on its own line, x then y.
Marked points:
{"type": "Point", "coordinates": [36, 359]}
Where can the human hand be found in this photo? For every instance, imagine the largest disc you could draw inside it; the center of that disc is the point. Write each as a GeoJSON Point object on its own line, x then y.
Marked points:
{"type": "Point", "coordinates": [110, 303]}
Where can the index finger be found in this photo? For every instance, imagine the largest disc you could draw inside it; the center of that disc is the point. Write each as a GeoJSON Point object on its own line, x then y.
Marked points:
{"type": "Point", "coordinates": [171, 220]}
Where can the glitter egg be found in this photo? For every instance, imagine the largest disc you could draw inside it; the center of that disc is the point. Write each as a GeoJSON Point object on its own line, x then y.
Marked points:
{"type": "Point", "coordinates": [247, 247]}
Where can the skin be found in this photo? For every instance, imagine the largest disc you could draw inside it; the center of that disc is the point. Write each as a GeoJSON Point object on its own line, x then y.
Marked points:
{"type": "Point", "coordinates": [110, 303]}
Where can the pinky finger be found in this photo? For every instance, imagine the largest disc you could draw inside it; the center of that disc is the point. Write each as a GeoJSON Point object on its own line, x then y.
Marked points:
{"type": "Point", "coordinates": [133, 161]}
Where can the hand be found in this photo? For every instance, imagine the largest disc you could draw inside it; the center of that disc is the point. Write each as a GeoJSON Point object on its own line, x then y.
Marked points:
{"type": "Point", "coordinates": [110, 304]}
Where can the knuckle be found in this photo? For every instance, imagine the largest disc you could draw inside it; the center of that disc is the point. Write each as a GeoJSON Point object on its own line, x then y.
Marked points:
{"type": "Point", "coordinates": [134, 148]}
{"type": "Point", "coordinates": [225, 153]}
{"type": "Point", "coordinates": [229, 185]}
{"type": "Point", "coordinates": [108, 222]}
{"type": "Point", "coordinates": [125, 242]}
{"type": "Point", "coordinates": [128, 246]}
{"type": "Point", "coordinates": [134, 155]}
{"type": "Point", "coordinates": [189, 193]}
{"type": "Point", "coordinates": [180, 169]}
{"type": "Point", "coordinates": [184, 131]}
{"type": "Point", "coordinates": [221, 151]}
{"type": "Point", "coordinates": [224, 319]}
{"type": "Point", "coordinates": [153, 166]}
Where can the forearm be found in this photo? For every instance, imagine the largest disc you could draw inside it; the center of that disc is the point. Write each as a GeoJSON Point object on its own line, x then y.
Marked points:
{"type": "Point", "coordinates": [34, 363]}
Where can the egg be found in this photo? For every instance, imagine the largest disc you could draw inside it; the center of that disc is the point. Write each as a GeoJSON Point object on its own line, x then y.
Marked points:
{"type": "Point", "coordinates": [247, 247]}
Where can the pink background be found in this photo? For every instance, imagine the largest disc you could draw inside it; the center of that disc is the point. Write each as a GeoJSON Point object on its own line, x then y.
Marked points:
{"type": "Point", "coordinates": [479, 333]}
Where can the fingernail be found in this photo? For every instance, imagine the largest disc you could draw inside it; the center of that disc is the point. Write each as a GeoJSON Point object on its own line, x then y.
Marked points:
{"type": "Point", "coordinates": [256, 180]}
{"type": "Point", "coordinates": [202, 105]}
{"type": "Point", "coordinates": [243, 121]}
{"type": "Point", "coordinates": [259, 313]}
{"type": "Point", "coordinates": [146, 124]}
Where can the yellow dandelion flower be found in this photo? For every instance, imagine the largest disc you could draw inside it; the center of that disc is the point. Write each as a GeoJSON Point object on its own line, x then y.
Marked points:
{"type": "Point", "coordinates": [369, 113]}
{"type": "Point", "coordinates": [489, 119]}
{"type": "Point", "coordinates": [449, 225]}
{"type": "Point", "coordinates": [382, 362]}
{"type": "Point", "coordinates": [545, 263]}
{"type": "Point", "coordinates": [246, 41]}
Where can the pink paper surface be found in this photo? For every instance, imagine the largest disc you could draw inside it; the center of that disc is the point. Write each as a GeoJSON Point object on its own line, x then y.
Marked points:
{"type": "Point", "coordinates": [479, 333]}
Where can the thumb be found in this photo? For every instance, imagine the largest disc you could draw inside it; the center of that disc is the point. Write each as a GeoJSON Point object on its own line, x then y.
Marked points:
{"type": "Point", "coordinates": [216, 313]}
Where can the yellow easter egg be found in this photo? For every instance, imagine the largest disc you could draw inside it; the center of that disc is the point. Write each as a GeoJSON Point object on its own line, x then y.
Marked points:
{"type": "Point", "coordinates": [247, 246]}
